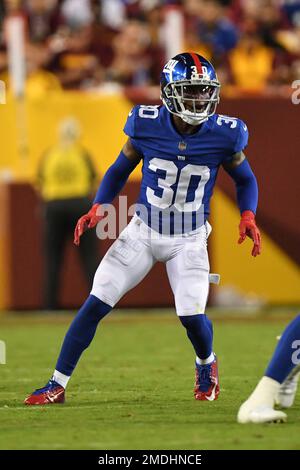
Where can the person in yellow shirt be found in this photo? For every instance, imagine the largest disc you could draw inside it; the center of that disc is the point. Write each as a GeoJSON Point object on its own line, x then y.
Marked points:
{"type": "Point", "coordinates": [251, 63]}
{"type": "Point", "coordinates": [66, 179]}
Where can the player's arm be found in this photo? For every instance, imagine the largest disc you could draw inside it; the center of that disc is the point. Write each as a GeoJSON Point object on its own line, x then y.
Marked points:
{"type": "Point", "coordinates": [117, 174]}
{"type": "Point", "coordinates": [247, 196]}
{"type": "Point", "coordinates": [111, 184]}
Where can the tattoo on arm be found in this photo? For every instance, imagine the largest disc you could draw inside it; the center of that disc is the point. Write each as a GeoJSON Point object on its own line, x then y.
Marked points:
{"type": "Point", "coordinates": [236, 160]}
{"type": "Point", "coordinates": [131, 153]}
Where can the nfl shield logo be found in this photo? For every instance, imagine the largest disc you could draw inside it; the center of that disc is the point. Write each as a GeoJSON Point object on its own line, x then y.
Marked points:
{"type": "Point", "coordinates": [182, 145]}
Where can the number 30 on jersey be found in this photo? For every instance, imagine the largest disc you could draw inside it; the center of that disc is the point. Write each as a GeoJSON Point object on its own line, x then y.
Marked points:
{"type": "Point", "coordinates": [177, 196]}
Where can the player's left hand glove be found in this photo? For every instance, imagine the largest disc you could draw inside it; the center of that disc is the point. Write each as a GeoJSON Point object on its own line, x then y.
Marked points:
{"type": "Point", "coordinates": [85, 222]}
{"type": "Point", "coordinates": [248, 228]}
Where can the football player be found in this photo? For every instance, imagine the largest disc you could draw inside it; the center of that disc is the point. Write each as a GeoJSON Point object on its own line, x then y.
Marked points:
{"type": "Point", "coordinates": [279, 384]}
{"type": "Point", "coordinates": [182, 145]}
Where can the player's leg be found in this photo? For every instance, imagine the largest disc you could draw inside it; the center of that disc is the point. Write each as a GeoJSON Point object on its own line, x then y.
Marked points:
{"type": "Point", "coordinates": [125, 264]}
{"type": "Point", "coordinates": [287, 392]}
{"type": "Point", "coordinates": [284, 366]}
{"type": "Point", "coordinates": [55, 233]}
{"type": "Point", "coordinates": [188, 273]}
{"type": "Point", "coordinates": [89, 256]}
{"type": "Point", "coordinates": [259, 407]}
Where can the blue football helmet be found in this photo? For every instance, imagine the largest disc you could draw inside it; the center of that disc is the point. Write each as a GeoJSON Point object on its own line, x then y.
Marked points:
{"type": "Point", "coordinates": [190, 87]}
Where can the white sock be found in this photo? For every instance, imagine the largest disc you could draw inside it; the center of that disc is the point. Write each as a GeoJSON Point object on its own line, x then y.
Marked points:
{"type": "Point", "coordinates": [208, 360]}
{"type": "Point", "coordinates": [60, 378]}
{"type": "Point", "coordinates": [265, 392]}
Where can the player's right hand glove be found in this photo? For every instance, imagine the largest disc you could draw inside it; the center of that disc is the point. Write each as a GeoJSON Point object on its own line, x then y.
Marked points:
{"type": "Point", "coordinates": [85, 222]}
{"type": "Point", "coordinates": [248, 228]}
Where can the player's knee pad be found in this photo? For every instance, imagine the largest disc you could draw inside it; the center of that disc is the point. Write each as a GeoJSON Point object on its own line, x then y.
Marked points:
{"type": "Point", "coordinates": [115, 271]}
{"type": "Point", "coordinates": [106, 289]}
{"type": "Point", "coordinates": [192, 292]}
{"type": "Point", "coordinates": [195, 256]}
{"type": "Point", "coordinates": [192, 288]}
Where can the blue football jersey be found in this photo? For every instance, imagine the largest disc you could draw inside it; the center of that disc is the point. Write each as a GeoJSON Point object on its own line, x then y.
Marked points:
{"type": "Point", "coordinates": [179, 171]}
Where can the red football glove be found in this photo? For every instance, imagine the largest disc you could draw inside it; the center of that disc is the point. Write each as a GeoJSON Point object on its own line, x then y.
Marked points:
{"type": "Point", "coordinates": [85, 222]}
{"type": "Point", "coordinates": [248, 228]}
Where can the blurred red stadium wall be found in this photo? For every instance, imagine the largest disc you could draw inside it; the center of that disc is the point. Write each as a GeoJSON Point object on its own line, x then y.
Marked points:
{"type": "Point", "coordinates": [273, 151]}
{"type": "Point", "coordinates": [274, 142]}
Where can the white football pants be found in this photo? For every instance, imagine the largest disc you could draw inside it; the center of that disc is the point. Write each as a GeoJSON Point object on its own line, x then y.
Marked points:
{"type": "Point", "coordinates": [138, 248]}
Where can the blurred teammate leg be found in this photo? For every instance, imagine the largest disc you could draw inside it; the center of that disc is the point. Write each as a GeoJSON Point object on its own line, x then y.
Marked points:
{"type": "Point", "coordinates": [260, 405]}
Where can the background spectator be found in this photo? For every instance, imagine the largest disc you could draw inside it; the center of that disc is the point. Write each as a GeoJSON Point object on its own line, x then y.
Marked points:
{"type": "Point", "coordinates": [89, 43]}
{"type": "Point", "coordinates": [211, 28]}
{"type": "Point", "coordinates": [66, 179]}
{"type": "Point", "coordinates": [251, 62]}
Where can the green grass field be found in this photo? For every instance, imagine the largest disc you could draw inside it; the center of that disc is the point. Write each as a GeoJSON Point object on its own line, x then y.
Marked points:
{"type": "Point", "coordinates": [133, 388]}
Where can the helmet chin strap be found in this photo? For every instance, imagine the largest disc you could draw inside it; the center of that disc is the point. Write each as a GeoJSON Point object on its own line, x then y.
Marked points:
{"type": "Point", "coordinates": [192, 121]}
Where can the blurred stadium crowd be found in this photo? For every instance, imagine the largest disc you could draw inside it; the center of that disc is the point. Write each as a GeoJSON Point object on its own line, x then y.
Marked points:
{"type": "Point", "coordinates": [86, 44]}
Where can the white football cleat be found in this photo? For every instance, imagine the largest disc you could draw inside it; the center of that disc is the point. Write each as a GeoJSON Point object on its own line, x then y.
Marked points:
{"type": "Point", "coordinates": [259, 414]}
{"type": "Point", "coordinates": [287, 392]}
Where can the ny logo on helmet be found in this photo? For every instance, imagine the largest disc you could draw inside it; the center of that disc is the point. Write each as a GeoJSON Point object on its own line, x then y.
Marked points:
{"type": "Point", "coordinates": [170, 66]}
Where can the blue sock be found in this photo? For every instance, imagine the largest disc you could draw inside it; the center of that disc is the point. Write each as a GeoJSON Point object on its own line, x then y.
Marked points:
{"type": "Point", "coordinates": [81, 333]}
{"type": "Point", "coordinates": [210, 326]}
{"type": "Point", "coordinates": [285, 356]}
{"type": "Point", "coordinates": [200, 332]}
